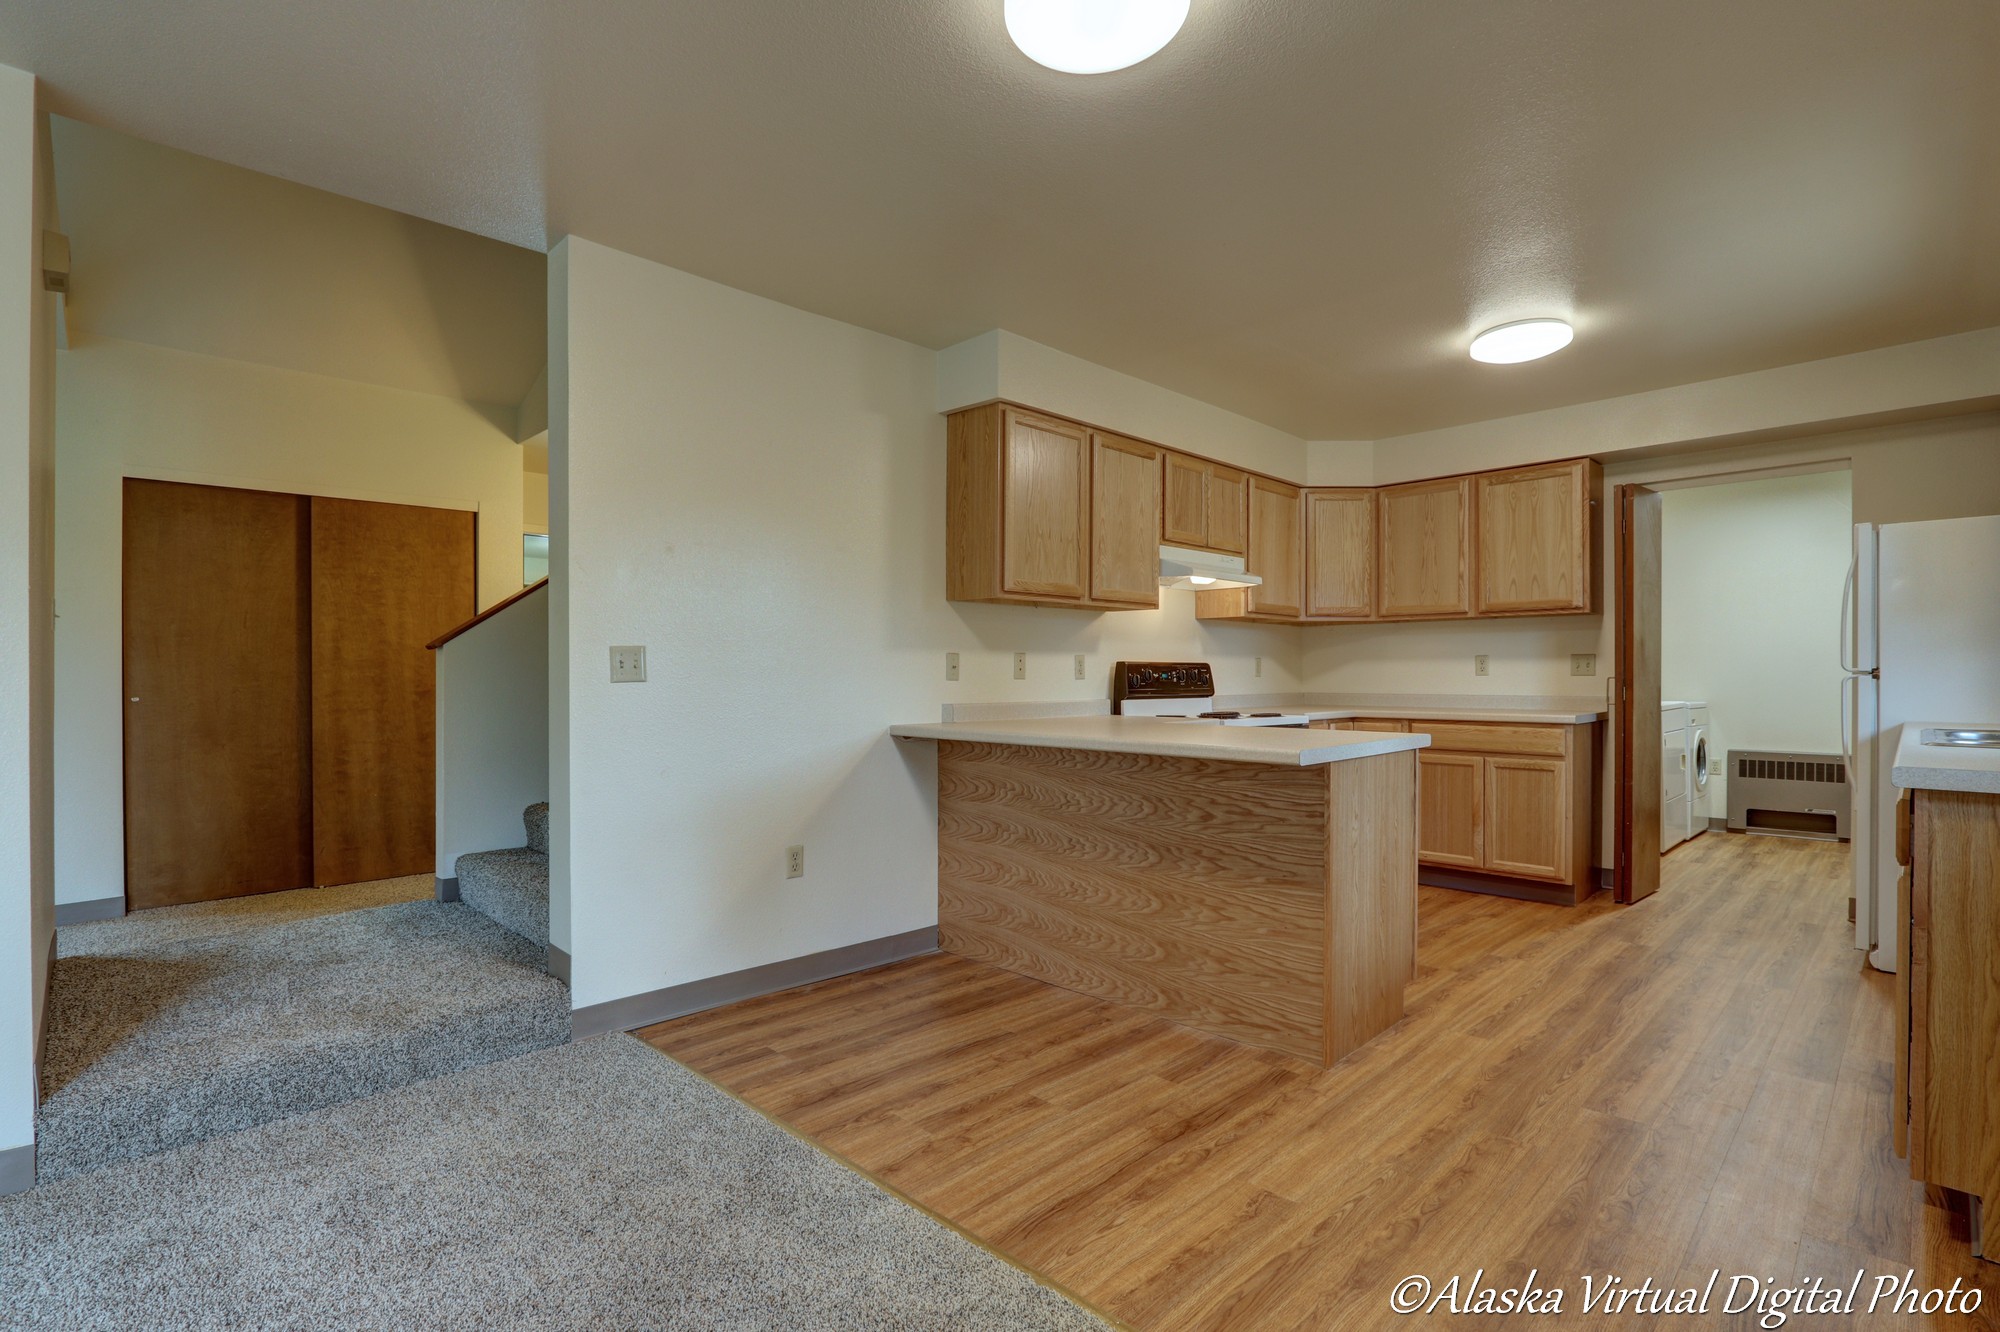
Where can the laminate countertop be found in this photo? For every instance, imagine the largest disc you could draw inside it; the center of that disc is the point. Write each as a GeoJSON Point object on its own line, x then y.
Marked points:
{"type": "Point", "coordinates": [1519, 716]}
{"type": "Point", "coordinates": [1922, 767]}
{"type": "Point", "coordinates": [1277, 745]}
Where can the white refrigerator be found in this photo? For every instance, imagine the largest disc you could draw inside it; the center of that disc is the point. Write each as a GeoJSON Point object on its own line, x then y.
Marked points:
{"type": "Point", "coordinates": [1920, 641]}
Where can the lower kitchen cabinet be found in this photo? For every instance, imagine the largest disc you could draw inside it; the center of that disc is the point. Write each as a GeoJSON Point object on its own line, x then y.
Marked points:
{"type": "Point", "coordinates": [1947, 1097]}
{"type": "Point", "coordinates": [1508, 808]}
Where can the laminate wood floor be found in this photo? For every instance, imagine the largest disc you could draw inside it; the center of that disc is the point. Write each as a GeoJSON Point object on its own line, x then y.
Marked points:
{"type": "Point", "coordinates": [1701, 1081]}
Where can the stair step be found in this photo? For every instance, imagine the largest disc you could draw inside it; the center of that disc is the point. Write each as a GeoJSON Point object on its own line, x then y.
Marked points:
{"type": "Point", "coordinates": [510, 887]}
{"type": "Point", "coordinates": [537, 819]}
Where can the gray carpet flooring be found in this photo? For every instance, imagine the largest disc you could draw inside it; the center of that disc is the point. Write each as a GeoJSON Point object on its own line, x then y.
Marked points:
{"type": "Point", "coordinates": [172, 1026]}
{"type": "Point", "coordinates": [593, 1186]}
{"type": "Point", "coordinates": [511, 887]}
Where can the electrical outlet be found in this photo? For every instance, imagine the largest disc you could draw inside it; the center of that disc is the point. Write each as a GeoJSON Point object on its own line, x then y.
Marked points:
{"type": "Point", "coordinates": [951, 665]}
{"type": "Point", "coordinates": [1479, 664]}
{"type": "Point", "coordinates": [628, 665]}
{"type": "Point", "coordinates": [1260, 668]}
{"type": "Point", "coordinates": [795, 862]}
{"type": "Point", "coordinates": [1079, 665]}
{"type": "Point", "coordinates": [1020, 665]}
{"type": "Point", "coordinates": [1583, 663]}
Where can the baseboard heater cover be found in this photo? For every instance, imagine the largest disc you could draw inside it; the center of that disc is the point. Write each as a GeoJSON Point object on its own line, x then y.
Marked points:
{"type": "Point", "coordinates": [1789, 794]}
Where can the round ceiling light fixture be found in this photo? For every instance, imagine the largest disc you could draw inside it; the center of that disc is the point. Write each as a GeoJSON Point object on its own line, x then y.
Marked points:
{"type": "Point", "coordinates": [1522, 340]}
{"type": "Point", "coordinates": [1093, 36]}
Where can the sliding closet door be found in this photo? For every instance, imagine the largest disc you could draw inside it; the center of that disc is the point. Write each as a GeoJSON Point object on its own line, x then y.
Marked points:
{"type": "Point", "coordinates": [217, 710]}
{"type": "Point", "coordinates": [386, 580]}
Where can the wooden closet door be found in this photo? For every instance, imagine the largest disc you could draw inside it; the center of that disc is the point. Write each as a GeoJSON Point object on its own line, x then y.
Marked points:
{"type": "Point", "coordinates": [218, 735]}
{"type": "Point", "coordinates": [386, 580]}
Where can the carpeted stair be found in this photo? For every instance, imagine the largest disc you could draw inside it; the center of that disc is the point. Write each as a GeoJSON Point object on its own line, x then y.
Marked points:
{"type": "Point", "coordinates": [512, 886]}
{"type": "Point", "coordinates": [170, 1027]}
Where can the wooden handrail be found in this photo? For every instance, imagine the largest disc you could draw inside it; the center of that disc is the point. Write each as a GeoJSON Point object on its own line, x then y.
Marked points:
{"type": "Point", "coordinates": [485, 615]}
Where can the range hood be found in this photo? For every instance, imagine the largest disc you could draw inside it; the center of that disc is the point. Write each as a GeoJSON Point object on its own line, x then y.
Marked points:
{"type": "Point", "coordinates": [1203, 570]}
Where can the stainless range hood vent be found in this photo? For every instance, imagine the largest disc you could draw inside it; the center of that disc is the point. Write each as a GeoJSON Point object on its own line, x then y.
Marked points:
{"type": "Point", "coordinates": [1203, 570]}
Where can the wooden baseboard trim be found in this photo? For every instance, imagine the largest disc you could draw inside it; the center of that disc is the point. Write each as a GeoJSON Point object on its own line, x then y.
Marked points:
{"type": "Point", "coordinates": [17, 1169]}
{"type": "Point", "coordinates": [447, 889]}
{"type": "Point", "coordinates": [556, 962]}
{"type": "Point", "coordinates": [643, 1010]}
{"type": "Point", "coordinates": [82, 913]}
{"type": "Point", "coordinates": [1496, 885]}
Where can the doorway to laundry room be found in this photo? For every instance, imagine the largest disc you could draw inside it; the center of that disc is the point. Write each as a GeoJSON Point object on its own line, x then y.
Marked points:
{"type": "Point", "coordinates": [1752, 575]}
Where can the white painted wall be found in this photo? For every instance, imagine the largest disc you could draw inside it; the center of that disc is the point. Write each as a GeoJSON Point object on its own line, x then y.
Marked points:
{"type": "Point", "coordinates": [757, 494]}
{"type": "Point", "coordinates": [27, 352]}
{"type": "Point", "coordinates": [129, 409]}
{"type": "Point", "coordinates": [1751, 577]}
{"type": "Point", "coordinates": [492, 730]}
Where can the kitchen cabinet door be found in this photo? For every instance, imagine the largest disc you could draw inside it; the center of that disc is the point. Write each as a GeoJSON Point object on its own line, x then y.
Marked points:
{"type": "Point", "coordinates": [1340, 554]}
{"type": "Point", "coordinates": [1277, 548]}
{"type": "Point", "coordinates": [1535, 529]}
{"type": "Point", "coordinates": [1184, 515]}
{"type": "Point", "coordinates": [1526, 824]}
{"type": "Point", "coordinates": [1423, 549]}
{"type": "Point", "coordinates": [1227, 509]}
{"type": "Point", "coordinates": [1451, 796]}
{"type": "Point", "coordinates": [1045, 472]}
{"type": "Point", "coordinates": [1124, 521]}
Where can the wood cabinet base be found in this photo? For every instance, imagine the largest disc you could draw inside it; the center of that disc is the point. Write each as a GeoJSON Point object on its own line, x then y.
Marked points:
{"type": "Point", "coordinates": [1270, 905]}
{"type": "Point", "coordinates": [1507, 885]}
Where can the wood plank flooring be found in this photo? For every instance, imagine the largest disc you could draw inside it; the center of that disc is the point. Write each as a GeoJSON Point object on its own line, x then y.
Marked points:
{"type": "Point", "coordinates": [1698, 1081]}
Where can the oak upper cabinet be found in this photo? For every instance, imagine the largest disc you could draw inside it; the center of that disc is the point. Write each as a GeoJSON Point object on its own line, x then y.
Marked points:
{"type": "Point", "coordinates": [1124, 521]}
{"type": "Point", "coordinates": [1277, 549]}
{"type": "Point", "coordinates": [1204, 505]}
{"type": "Point", "coordinates": [1537, 534]}
{"type": "Point", "coordinates": [1020, 506]}
{"type": "Point", "coordinates": [1340, 554]}
{"type": "Point", "coordinates": [1423, 543]}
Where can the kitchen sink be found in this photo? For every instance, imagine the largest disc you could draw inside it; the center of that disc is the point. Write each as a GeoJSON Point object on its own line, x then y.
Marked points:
{"type": "Point", "coordinates": [1958, 739]}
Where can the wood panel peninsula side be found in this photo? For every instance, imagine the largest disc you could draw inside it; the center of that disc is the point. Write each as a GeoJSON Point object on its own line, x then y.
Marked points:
{"type": "Point", "coordinates": [1259, 885]}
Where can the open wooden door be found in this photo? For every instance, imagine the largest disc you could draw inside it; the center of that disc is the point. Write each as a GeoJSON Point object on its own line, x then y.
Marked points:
{"type": "Point", "coordinates": [1638, 719]}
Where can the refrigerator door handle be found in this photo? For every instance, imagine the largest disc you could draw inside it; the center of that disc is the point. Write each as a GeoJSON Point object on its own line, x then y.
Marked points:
{"type": "Point", "coordinates": [1846, 748]}
{"type": "Point", "coordinates": [1847, 615]}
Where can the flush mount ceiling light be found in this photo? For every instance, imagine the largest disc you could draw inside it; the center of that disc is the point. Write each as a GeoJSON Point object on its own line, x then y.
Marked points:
{"type": "Point", "coordinates": [1522, 340]}
{"type": "Point", "coordinates": [1093, 36]}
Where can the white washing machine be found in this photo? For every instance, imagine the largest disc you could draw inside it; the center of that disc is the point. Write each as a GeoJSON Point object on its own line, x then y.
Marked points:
{"type": "Point", "coordinates": [1675, 785]}
{"type": "Point", "coordinates": [1700, 806]}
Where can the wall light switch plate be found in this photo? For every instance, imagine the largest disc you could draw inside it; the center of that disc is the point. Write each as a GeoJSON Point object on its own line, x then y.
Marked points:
{"type": "Point", "coordinates": [1020, 665]}
{"type": "Point", "coordinates": [951, 665]}
{"type": "Point", "coordinates": [1079, 665]}
{"type": "Point", "coordinates": [628, 665]}
{"type": "Point", "coordinates": [1715, 767]}
{"type": "Point", "coordinates": [1583, 663]}
{"type": "Point", "coordinates": [795, 862]}
{"type": "Point", "coordinates": [1479, 664]}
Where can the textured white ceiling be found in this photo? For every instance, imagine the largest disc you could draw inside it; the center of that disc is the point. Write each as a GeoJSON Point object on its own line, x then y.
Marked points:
{"type": "Point", "coordinates": [1300, 210]}
{"type": "Point", "coordinates": [181, 251]}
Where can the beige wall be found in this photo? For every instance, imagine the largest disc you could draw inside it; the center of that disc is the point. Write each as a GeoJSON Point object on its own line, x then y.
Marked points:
{"type": "Point", "coordinates": [129, 409]}
{"type": "Point", "coordinates": [757, 494]}
{"type": "Point", "coordinates": [27, 353]}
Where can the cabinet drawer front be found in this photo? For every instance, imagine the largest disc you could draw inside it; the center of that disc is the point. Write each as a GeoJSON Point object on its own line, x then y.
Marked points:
{"type": "Point", "coordinates": [1494, 737]}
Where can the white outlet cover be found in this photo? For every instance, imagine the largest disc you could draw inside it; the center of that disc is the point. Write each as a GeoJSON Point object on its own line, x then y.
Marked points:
{"type": "Point", "coordinates": [1020, 665]}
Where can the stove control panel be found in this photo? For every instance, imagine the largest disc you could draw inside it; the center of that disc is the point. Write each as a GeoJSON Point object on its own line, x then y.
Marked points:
{"type": "Point", "coordinates": [1162, 679]}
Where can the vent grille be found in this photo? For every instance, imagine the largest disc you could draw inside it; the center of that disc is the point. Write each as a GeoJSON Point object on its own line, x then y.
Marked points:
{"type": "Point", "coordinates": [1791, 770]}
